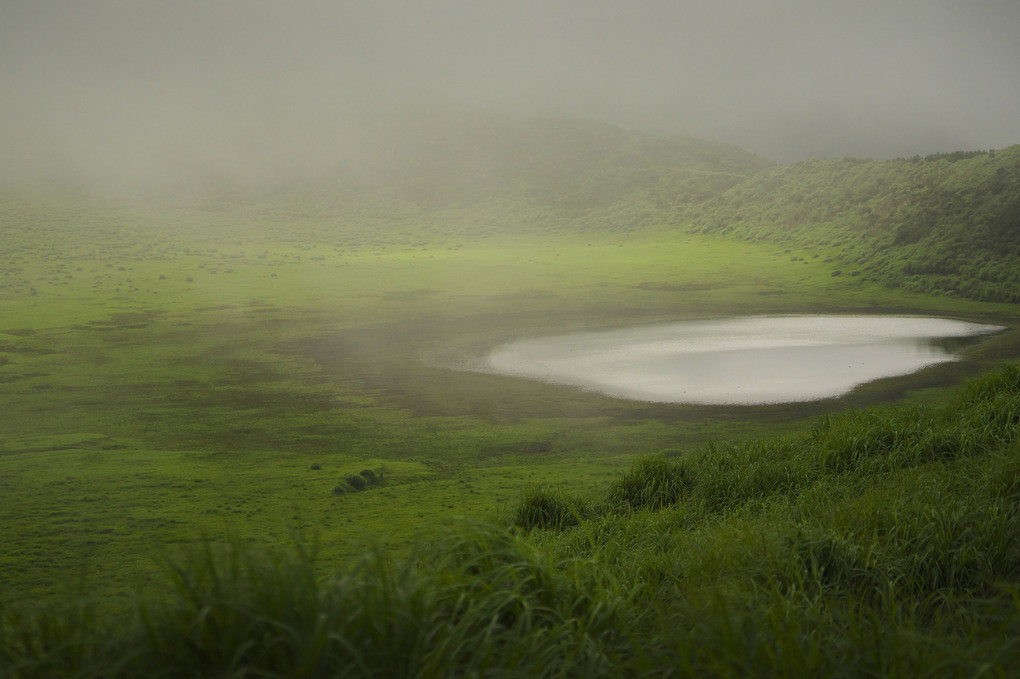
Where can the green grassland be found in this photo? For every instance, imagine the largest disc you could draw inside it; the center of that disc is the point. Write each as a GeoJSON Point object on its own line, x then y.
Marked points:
{"type": "Point", "coordinates": [875, 543]}
{"type": "Point", "coordinates": [945, 223]}
{"type": "Point", "coordinates": [188, 375]}
{"type": "Point", "coordinates": [165, 383]}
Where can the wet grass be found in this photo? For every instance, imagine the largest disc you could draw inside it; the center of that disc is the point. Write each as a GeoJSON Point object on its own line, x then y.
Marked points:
{"type": "Point", "coordinates": [175, 382]}
{"type": "Point", "coordinates": [681, 567]}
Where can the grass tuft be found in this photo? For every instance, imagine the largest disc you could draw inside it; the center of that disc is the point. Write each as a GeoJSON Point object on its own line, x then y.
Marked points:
{"type": "Point", "coordinates": [652, 482]}
{"type": "Point", "coordinates": [540, 507]}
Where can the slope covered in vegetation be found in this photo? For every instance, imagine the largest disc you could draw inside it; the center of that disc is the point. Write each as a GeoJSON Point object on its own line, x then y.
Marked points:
{"type": "Point", "coordinates": [948, 223]}
{"type": "Point", "coordinates": [945, 224]}
{"type": "Point", "coordinates": [882, 543]}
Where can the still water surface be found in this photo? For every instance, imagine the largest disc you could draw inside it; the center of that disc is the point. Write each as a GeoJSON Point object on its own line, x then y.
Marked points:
{"type": "Point", "coordinates": [745, 361]}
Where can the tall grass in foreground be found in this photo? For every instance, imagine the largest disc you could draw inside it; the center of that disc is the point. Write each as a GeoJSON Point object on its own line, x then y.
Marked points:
{"type": "Point", "coordinates": [884, 543]}
{"type": "Point", "coordinates": [475, 602]}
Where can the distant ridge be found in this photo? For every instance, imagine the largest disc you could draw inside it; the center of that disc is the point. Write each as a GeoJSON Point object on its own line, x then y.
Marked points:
{"type": "Point", "coordinates": [569, 164]}
{"type": "Point", "coordinates": [475, 173]}
{"type": "Point", "coordinates": [947, 223]}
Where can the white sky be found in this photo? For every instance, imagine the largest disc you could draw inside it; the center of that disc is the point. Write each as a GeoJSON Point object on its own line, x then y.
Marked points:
{"type": "Point", "coordinates": [155, 85]}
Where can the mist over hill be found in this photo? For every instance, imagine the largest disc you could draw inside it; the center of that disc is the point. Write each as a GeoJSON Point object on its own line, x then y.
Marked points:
{"type": "Point", "coordinates": [465, 170]}
{"type": "Point", "coordinates": [567, 163]}
{"type": "Point", "coordinates": [948, 223]}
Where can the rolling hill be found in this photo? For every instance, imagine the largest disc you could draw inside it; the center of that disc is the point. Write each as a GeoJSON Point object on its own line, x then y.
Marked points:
{"type": "Point", "coordinates": [947, 223]}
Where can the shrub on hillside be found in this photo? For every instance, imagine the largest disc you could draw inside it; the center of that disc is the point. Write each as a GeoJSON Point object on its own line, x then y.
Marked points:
{"type": "Point", "coordinates": [542, 508]}
{"type": "Point", "coordinates": [652, 482]}
{"type": "Point", "coordinates": [356, 481]}
{"type": "Point", "coordinates": [342, 488]}
{"type": "Point", "coordinates": [353, 483]}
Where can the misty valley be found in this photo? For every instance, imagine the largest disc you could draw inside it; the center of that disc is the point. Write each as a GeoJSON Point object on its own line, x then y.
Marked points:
{"type": "Point", "coordinates": [534, 385]}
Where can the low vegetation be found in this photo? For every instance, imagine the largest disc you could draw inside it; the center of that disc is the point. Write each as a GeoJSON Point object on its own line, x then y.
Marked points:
{"type": "Point", "coordinates": [352, 483]}
{"type": "Point", "coordinates": [945, 224]}
{"type": "Point", "coordinates": [883, 543]}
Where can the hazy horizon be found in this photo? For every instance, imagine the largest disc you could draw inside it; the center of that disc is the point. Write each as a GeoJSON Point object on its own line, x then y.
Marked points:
{"type": "Point", "coordinates": [120, 90]}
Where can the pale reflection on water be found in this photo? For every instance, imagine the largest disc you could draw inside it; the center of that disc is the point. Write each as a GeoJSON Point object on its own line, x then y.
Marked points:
{"type": "Point", "coordinates": [746, 360]}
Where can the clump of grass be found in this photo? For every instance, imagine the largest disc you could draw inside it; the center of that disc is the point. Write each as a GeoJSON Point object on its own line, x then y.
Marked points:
{"type": "Point", "coordinates": [537, 613]}
{"type": "Point", "coordinates": [652, 482]}
{"type": "Point", "coordinates": [985, 415]}
{"type": "Point", "coordinates": [821, 561]}
{"type": "Point", "coordinates": [343, 488]}
{"type": "Point", "coordinates": [728, 477]}
{"type": "Point", "coordinates": [356, 481]}
{"type": "Point", "coordinates": [352, 483]}
{"type": "Point", "coordinates": [476, 603]}
{"type": "Point", "coordinates": [541, 507]}
{"type": "Point", "coordinates": [66, 640]}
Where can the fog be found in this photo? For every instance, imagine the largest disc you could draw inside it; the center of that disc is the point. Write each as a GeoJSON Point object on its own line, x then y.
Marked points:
{"type": "Point", "coordinates": [156, 90]}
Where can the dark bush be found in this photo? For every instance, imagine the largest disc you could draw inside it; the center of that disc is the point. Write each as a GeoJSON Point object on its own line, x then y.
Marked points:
{"type": "Point", "coordinates": [356, 481]}
{"type": "Point", "coordinates": [652, 482]}
{"type": "Point", "coordinates": [342, 488]}
{"type": "Point", "coordinates": [542, 508]}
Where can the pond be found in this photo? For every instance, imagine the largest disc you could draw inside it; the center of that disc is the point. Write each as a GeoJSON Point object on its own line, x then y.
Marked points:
{"type": "Point", "coordinates": [737, 361]}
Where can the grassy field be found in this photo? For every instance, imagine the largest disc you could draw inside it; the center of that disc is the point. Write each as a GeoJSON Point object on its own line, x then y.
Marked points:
{"type": "Point", "coordinates": [170, 377]}
{"type": "Point", "coordinates": [180, 384]}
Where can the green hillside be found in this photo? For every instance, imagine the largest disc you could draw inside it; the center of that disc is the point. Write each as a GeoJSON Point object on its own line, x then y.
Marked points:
{"type": "Point", "coordinates": [948, 223]}
{"type": "Point", "coordinates": [945, 224]}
